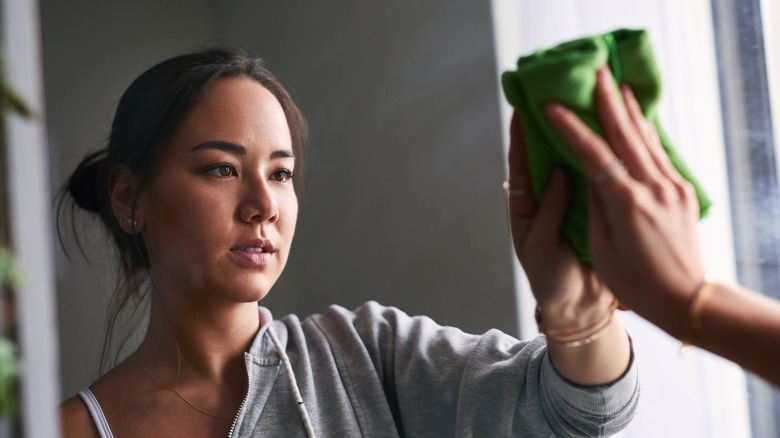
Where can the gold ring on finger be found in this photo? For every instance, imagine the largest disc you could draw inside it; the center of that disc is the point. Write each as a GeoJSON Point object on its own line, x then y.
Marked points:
{"type": "Point", "coordinates": [515, 192]}
{"type": "Point", "coordinates": [616, 169]}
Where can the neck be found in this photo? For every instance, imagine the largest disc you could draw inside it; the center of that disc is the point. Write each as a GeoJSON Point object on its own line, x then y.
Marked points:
{"type": "Point", "coordinates": [198, 338]}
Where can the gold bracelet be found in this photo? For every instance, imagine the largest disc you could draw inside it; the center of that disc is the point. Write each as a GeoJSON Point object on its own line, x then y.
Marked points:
{"type": "Point", "coordinates": [693, 323]}
{"type": "Point", "coordinates": [578, 337]}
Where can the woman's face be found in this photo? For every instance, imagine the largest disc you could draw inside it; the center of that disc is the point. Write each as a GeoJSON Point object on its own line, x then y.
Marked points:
{"type": "Point", "coordinates": [219, 217]}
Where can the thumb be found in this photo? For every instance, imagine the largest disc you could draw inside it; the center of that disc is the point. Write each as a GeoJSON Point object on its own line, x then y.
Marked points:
{"type": "Point", "coordinates": [598, 240]}
{"type": "Point", "coordinates": [547, 226]}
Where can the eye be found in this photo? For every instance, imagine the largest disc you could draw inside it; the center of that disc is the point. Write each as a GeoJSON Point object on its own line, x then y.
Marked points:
{"type": "Point", "coordinates": [282, 175]}
{"type": "Point", "coordinates": [223, 170]}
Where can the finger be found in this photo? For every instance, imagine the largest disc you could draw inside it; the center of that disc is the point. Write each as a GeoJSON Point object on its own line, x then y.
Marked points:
{"type": "Point", "coordinates": [521, 204]}
{"type": "Point", "coordinates": [591, 150]}
{"type": "Point", "coordinates": [648, 133]}
{"type": "Point", "coordinates": [619, 129]}
{"type": "Point", "coordinates": [547, 226]}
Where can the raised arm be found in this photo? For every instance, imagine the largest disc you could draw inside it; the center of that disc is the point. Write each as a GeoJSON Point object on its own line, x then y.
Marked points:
{"type": "Point", "coordinates": [644, 243]}
{"type": "Point", "coordinates": [586, 343]}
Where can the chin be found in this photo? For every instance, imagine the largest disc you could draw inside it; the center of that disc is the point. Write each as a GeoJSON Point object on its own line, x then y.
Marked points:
{"type": "Point", "coordinates": [257, 297]}
{"type": "Point", "coordinates": [252, 292]}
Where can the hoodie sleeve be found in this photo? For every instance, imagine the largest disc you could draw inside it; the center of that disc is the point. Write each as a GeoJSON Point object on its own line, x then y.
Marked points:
{"type": "Point", "coordinates": [440, 381]}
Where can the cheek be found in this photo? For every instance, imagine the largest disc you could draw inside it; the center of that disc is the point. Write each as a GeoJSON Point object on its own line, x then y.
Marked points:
{"type": "Point", "coordinates": [182, 220]}
{"type": "Point", "coordinates": [289, 210]}
{"type": "Point", "coordinates": [199, 219]}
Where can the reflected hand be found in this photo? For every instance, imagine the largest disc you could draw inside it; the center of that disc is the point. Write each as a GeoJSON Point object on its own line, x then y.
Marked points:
{"type": "Point", "coordinates": [642, 222]}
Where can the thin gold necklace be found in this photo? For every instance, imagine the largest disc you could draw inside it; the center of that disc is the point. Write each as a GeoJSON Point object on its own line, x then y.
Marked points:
{"type": "Point", "coordinates": [184, 398]}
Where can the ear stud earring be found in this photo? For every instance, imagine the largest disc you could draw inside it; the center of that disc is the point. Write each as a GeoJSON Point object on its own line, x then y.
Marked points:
{"type": "Point", "coordinates": [132, 222]}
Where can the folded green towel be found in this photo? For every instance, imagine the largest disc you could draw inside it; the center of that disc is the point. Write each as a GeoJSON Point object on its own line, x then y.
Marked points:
{"type": "Point", "coordinates": [567, 74]}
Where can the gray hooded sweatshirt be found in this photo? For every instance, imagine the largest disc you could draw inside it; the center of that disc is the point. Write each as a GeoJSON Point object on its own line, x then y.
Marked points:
{"type": "Point", "coordinates": [376, 372]}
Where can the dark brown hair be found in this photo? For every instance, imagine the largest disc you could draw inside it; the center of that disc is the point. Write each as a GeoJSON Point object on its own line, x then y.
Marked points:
{"type": "Point", "coordinates": [148, 115]}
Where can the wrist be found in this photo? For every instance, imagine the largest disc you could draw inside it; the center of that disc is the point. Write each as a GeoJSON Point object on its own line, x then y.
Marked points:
{"type": "Point", "coordinates": [693, 326]}
{"type": "Point", "coordinates": [573, 315]}
{"type": "Point", "coordinates": [578, 329]}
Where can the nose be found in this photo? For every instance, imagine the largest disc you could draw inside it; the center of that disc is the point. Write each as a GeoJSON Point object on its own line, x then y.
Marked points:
{"type": "Point", "coordinates": [258, 203]}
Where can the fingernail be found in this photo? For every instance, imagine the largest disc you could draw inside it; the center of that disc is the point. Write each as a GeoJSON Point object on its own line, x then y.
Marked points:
{"type": "Point", "coordinates": [604, 73]}
{"type": "Point", "coordinates": [627, 91]}
{"type": "Point", "coordinates": [553, 108]}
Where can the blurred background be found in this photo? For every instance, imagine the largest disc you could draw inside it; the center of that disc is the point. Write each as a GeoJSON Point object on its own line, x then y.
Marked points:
{"type": "Point", "coordinates": [403, 201]}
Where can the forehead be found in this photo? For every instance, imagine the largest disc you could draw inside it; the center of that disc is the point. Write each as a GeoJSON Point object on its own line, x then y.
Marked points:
{"type": "Point", "coordinates": [238, 110]}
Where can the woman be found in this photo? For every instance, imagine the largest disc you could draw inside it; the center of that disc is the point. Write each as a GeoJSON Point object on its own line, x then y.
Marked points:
{"type": "Point", "coordinates": [644, 242]}
{"type": "Point", "coordinates": [196, 188]}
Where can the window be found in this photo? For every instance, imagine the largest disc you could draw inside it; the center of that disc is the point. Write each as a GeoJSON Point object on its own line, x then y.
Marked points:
{"type": "Point", "coordinates": [716, 108]}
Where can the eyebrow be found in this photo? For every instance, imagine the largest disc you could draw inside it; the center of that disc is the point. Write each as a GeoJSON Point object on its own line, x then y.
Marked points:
{"type": "Point", "coordinates": [282, 153]}
{"type": "Point", "coordinates": [237, 149]}
{"type": "Point", "coordinates": [233, 148]}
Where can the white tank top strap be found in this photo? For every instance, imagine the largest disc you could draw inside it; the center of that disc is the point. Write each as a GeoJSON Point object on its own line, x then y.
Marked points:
{"type": "Point", "coordinates": [96, 413]}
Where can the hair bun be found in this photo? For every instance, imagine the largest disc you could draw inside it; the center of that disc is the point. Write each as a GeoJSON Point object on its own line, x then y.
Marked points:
{"type": "Point", "coordinates": [83, 183]}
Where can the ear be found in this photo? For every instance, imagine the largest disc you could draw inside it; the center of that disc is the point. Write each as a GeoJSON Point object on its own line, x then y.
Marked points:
{"type": "Point", "coordinates": [121, 184]}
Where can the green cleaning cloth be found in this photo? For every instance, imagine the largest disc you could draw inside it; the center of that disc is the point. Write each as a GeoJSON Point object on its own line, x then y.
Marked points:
{"type": "Point", "coordinates": [567, 74]}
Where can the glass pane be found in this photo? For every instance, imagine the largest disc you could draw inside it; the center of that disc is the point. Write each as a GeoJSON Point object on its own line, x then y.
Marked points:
{"type": "Point", "coordinates": [755, 205]}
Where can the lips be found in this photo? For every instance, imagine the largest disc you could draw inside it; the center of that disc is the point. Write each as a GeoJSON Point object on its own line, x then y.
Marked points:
{"type": "Point", "coordinates": [257, 252]}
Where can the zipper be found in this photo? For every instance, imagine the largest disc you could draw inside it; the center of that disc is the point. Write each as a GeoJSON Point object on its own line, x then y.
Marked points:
{"type": "Point", "coordinates": [246, 396]}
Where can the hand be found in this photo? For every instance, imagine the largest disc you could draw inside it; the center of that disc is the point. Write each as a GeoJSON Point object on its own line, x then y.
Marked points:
{"type": "Point", "coordinates": [569, 293]}
{"type": "Point", "coordinates": [642, 222]}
